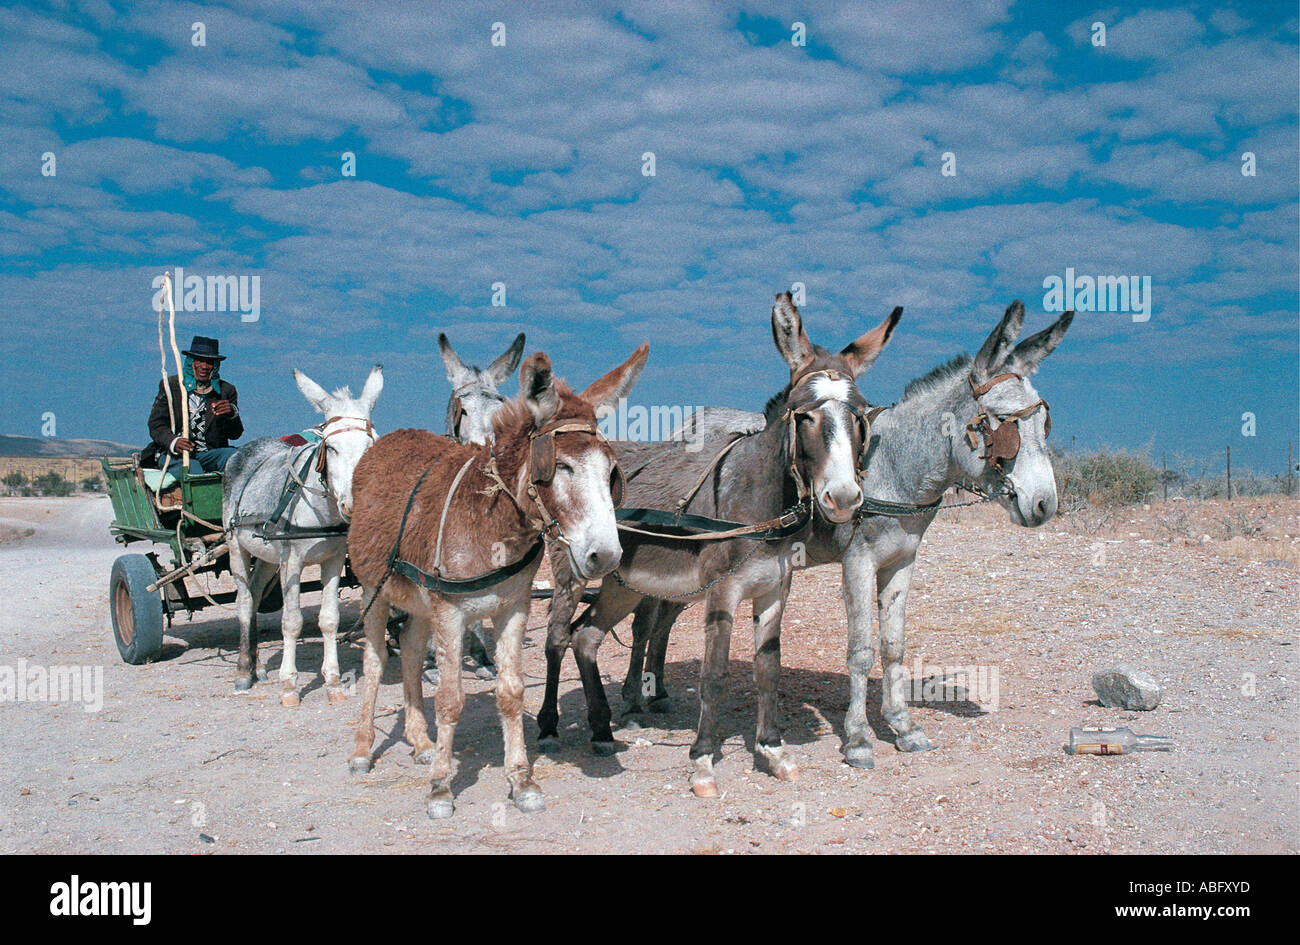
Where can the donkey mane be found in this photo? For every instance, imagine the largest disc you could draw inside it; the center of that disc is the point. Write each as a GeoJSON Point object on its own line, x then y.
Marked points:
{"type": "Point", "coordinates": [936, 377]}
{"type": "Point", "coordinates": [776, 404]}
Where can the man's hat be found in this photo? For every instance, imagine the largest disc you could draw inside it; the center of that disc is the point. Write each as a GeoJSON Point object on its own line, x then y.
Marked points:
{"type": "Point", "coordinates": [205, 348]}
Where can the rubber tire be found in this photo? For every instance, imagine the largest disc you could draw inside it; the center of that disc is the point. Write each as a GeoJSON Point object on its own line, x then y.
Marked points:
{"type": "Point", "coordinates": [141, 640]}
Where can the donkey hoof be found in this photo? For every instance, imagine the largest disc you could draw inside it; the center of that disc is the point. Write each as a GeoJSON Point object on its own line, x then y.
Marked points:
{"type": "Point", "coordinates": [262, 674]}
{"type": "Point", "coordinates": [604, 749]}
{"type": "Point", "coordinates": [915, 740]}
{"type": "Point", "coordinates": [338, 696]}
{"type": "Point", "coordinates": [548, 743]}
{"type": "Point", "coordinates": [486, 672]}
{"type": "Point", "coordinates": [704, 787]}
{"type": "Point", "coordinates": [661, 706]}
{"type": "Point", "coordinates": [243, 684]}
{"type": "Point", "coordinates": [860, 756]}
{"type": "Point", "coordinates": [439, 808]}
{"type": "Point", "coordinates": [785, 770]}
{"type": "Point", "coordinates": [290, 699]}
{"type": "Point", "coordinates": [426, 756]}
{"type": "Point", "coordinates": [530, 801]}
{"type": "Point", "coordinates": [359, 764]}
{"type": "Point", "coordinates": [431, 677]}
{"type": "Point", "coordinates": [632, 722]}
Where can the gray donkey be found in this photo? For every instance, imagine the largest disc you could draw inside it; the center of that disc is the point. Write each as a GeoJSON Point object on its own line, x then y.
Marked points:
{"type": "Point", "coordinates": [256, 480]}
{"type": "Point", "coordinates": [474, 401]}
{"type": "Point", "coordinates": [944, 432]}
{"type": "Point", "coordinates": [806, 456]}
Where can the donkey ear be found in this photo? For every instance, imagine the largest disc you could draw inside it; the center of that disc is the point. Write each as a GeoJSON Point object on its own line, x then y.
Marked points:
{"type": "Point", "coordinates": [614, 386]}
{"type": "Point", "coordinates": [370, 393]}
{"type": "Point", "coordinates": [501, 369]}
{"type": "Point", "coordinates": [998, 344]}
{"type": "Point", "coordinates": [315, 394]}
{"type": "Point", "coordinates": [456, 369]}
{"type": "Point", "coordinates": [1026, 357]}
{"type": "Point", "coordinates": [538, 386]}
{"type": "Point", "coordinates": [863, 353]}
{"type": "Point", "coordinates": [788, 333]}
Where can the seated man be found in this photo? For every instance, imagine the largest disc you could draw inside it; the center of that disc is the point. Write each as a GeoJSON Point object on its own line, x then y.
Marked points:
{"type": "Point", "coordinates": [214, 414]}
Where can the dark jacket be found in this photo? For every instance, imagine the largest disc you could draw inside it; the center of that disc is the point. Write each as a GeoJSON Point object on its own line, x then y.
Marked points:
{"type": "Point", "coordinates": [164, 427]}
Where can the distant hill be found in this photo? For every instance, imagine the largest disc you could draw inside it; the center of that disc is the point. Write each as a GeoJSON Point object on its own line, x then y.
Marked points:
{"type": "Point", "coordinates": [60, 446]}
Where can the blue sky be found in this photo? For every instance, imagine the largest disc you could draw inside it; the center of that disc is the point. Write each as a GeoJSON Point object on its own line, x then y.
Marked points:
{"type": "Point", "coordinates": [522, 164]}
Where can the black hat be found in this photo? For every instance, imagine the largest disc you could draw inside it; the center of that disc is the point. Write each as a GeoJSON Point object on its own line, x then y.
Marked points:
{"type": "Point", "coordinates": [205, 348]}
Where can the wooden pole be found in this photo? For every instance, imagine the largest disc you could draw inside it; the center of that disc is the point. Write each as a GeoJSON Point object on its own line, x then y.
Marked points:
{"type": "Point", "coordinates": [176, 353]}
{"type": "Point", "coordinates": [1229, 472]}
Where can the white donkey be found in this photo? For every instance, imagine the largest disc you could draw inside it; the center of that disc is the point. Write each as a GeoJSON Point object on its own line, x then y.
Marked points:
{"type": "Point", "coordinates": [287, 507]}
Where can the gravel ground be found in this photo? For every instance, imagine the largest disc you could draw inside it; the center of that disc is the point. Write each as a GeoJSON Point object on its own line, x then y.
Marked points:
{"type": "Point", "coordinates": [1203, 595]}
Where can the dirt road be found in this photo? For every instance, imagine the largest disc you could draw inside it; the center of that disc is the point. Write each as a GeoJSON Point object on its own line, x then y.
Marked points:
{"type": "Point", "coordinates": [1202, 595]}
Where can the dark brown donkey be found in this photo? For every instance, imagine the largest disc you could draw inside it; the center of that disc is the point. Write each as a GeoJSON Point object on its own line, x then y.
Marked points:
{"type": "Point", "coordinates": [452, 533]}
{"type": "Point", "coordinates": [804, 463]}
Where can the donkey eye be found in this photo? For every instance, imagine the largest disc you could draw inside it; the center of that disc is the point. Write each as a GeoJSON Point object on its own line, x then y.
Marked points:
{"type": "Point", "coordinates": [562, 465]}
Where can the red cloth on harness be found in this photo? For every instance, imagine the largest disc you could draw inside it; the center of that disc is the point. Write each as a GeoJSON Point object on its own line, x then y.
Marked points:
{"type": "Point", "coordinates": [294, 439]}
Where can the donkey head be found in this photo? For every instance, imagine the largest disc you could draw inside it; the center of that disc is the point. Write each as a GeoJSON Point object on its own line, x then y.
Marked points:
{"type": "Point", "coordinates": [474, 397]}
{"type": "Point", "coordinates": [1003, 447]}
{"type": "Point", "coordinates": [826, 411]}
{"type": "Point", "coordinates": [346, 432]}
{"type": "Point", "coordinates": [574, 471]}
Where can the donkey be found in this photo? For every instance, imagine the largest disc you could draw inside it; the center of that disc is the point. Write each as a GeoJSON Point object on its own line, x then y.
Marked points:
{"type": "Point", "coordinates": [807, 454]}
{"type": "Point", "coordinates": [428, 508]}
{"type": "Point", "coordinates": [256, 480]}
{"type": "Point", "coordinates": [942, 433]}
{"type": "Point", "coordinates": [474, 400]}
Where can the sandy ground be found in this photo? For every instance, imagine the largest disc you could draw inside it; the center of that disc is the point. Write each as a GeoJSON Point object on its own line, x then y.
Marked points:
{"type": "Point", "coordinates": [1202, 595]}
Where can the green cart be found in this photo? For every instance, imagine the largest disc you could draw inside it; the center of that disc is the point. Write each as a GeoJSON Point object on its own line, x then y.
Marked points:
{"type": "Point", "coordinates": [184, 515]}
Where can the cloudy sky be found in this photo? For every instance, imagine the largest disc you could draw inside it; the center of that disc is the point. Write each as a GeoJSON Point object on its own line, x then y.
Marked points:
{"type": "Point", "coordinates": [523, 162]}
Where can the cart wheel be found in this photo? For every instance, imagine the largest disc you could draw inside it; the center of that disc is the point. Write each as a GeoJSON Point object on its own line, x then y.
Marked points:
{"type": "Point", "coordinates": [272, 597]}
{"type": "Point", "coordinates": [137, 614]}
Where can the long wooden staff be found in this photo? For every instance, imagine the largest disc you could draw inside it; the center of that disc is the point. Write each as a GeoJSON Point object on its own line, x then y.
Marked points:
{"type": "Point", "coordinates": [180, 371]}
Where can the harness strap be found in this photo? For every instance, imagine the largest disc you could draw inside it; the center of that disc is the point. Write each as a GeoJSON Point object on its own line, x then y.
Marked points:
{"type": "Point", "coordinates": [708, 471]}
{"type": "Point", "coordinates": [789, 523]}
{"type": "Point", "coordinates": [895, 509]}
{"type": "Point", "coordinates": [442, 522]}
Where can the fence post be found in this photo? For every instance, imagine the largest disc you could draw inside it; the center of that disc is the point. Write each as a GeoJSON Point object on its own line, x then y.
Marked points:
{"type": "Point", "coordinates": [1229, 473]}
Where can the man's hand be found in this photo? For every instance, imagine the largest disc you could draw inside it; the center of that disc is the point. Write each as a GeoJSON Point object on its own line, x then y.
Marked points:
{"type": "Point", "coordinates": [183, 445]}
{"type": "Point", "coordinates": [221, 407]}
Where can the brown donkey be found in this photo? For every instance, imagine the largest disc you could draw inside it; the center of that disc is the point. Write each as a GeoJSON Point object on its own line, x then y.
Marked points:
{"type": "Point", "coordinates": [451, 533]}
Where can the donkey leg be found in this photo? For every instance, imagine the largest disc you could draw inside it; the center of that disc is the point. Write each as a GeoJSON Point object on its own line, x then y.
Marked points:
{"type": "Point", "coordinates": [564, 601]}
{"type": "Point", "coordinates": [660, 701]}
{"type": "Point", "coordinates": [510, 705]}
{"type": "Point", "coordinates": [644, 619]}
{"type": "Point", "coordinates": [768, 745]}
{"type": "Point", "coordinates": [859, 576]}
{"type": "Point", "coordinates": [891, 598]}
{"type": "Point", "coordinates": [720, 614]}
{"type": "Point", "coordinates": [242, 568]}
{"type": "Point", "coordinates": [331, 569]}
{"type": "Point", "coordinates": [613, 604]}
{"type": "Point", "coordinates": [449, 632]}
{"type": "Point", "coordinates": [290, 627]}
{"type": "Point", "coordinates": [415, 640]}
{"type": "Point", "coordinates": [476, 638]}
{"type": "Point", "coordinates": [376, 655]}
